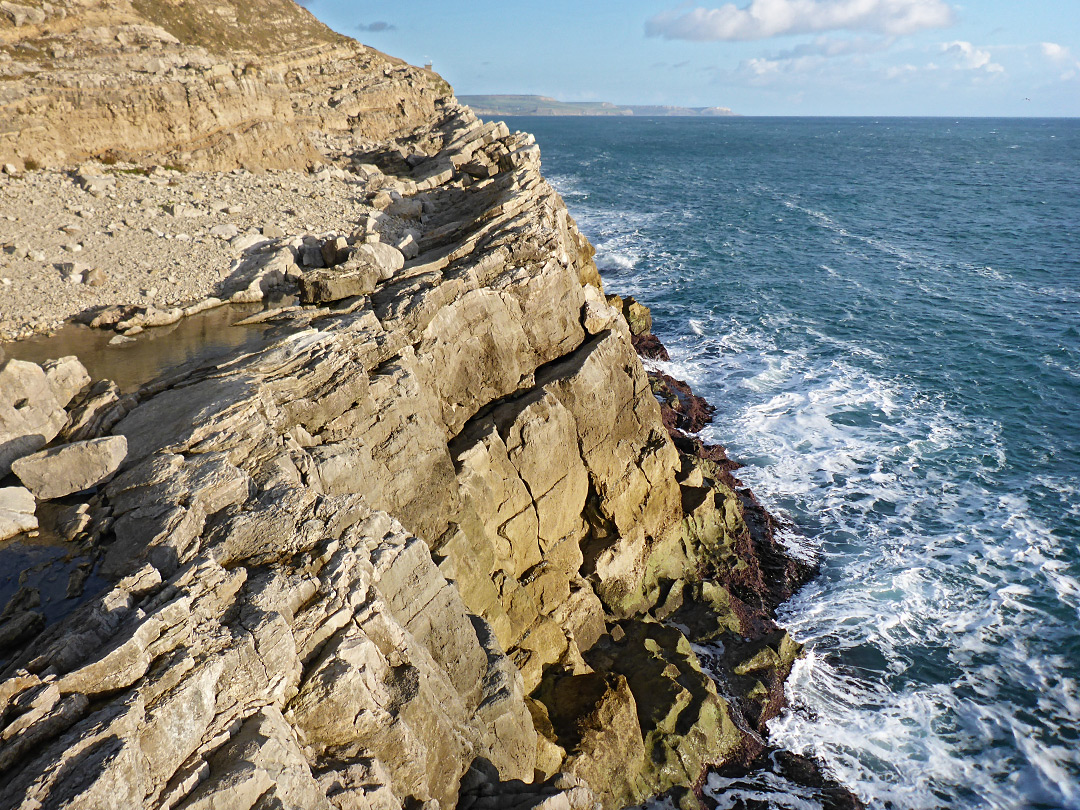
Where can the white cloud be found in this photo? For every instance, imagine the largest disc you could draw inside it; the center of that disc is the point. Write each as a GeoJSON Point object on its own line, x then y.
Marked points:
{"type": "Point", "coordinates": [1055, 52]}
{"type": "Point", "coordinates": [900, 72]}
{"type": "Point", "coordinates": [762, 19]}
{"type": "Point", "coordinates": [1060, 55]}
{"type": "Point", "coordinates": [968, 57]}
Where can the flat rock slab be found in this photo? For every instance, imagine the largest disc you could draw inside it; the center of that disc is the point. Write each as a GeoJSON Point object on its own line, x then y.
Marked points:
{"type": "Point", "coordinates": [17, 507]}
{"type": "Point", "coordinates": [327, 286]}
{"type": "Point", "coordinates": [70, 468]}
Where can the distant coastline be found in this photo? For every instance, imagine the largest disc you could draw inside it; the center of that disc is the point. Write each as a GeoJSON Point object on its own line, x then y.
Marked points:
{"type": "Point", "coordinates": [489, 105]}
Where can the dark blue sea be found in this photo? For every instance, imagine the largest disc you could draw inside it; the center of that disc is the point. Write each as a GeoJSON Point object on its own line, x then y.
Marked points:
{"type": "Point", "coordinates": [887, 314]}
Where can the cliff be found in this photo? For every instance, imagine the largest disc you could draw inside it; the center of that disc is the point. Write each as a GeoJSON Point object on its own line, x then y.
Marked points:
{"type": "Point", "coordinates": [433, 546]}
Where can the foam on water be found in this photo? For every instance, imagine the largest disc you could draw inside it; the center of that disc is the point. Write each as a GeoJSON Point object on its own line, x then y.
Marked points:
{"type": "Point", "coordinates": [898, 371]}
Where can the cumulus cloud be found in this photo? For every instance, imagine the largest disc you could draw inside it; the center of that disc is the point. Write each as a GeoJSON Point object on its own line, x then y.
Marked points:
{"type": "Point", "coordinates": [1055, 52]}
{"type": "Point", "coordinates": [968, 57]}
{"type": "Point", "coordinates": [1060, 55]}
{"type": "Point", "coordinates": [762, 19]}
{"type": "Point", "coordinates": [376, 26]}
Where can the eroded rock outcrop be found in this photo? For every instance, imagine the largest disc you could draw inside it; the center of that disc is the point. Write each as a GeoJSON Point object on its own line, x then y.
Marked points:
{"type": "Point", "coordinates": [433, 547]}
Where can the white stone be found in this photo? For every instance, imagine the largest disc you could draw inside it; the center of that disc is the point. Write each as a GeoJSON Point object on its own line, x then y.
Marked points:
{"type": "Point", "coordinates": [226, 230]}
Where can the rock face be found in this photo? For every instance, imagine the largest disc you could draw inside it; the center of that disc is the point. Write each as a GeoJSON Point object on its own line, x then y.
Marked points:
{"type": "Point", "coordinates": [207, 84]}
{"type": "Point", "coordinates": [433, 547]}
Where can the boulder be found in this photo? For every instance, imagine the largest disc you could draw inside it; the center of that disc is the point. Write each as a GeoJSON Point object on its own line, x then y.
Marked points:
{"type": "Point", "coordinates": [17, 507]}
{"type": "Point", "coordinates": [387, 258]}
{"type": "Point", "coordinates": [70, 468]}
{"type": "Point", "coordinates": [326, 286]}
{"type": "Point", "coordinates": [67, 377]}
{"type": "Point", "coordinates": [32, 405]}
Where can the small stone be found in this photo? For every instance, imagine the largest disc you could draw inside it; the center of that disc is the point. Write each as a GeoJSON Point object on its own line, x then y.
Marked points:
{"type": "Point", "coordinates": [95, 278]}
{"type": "Point", "coordinates": [386, 257]}
{"type": "Point", "coordinates": [73, 272]}
{"type": "Point", "coordinates": [334, 251]}
{"type": "Point", "coordinates": [272, 232]}
{"type": "Point", "coordinates": [311, 255]}
{"type": "Point", "coordinates": [226, 230]}
{"type": "Point", "coordinates": [179, 209]}
{"type": "Point", "coordinates": [73, 520]}
{"type": "Point", "coordinates": [409, 244]}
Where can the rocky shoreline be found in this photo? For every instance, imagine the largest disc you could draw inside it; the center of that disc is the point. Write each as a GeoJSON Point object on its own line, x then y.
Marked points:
{"type": "Point", "coordinates": [442, 542]}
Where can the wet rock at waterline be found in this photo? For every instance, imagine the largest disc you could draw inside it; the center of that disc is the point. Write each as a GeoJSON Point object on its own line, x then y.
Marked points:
{"type": "Point", "coordinates": [17, 507]}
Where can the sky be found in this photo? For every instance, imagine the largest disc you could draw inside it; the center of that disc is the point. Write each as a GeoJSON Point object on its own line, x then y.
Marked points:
{"type": "Point", "coordinates": [758, 57]}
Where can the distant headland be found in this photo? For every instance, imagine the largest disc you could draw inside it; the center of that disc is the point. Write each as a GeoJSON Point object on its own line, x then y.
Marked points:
{"type": "Point", "coordinates": [488, 105]}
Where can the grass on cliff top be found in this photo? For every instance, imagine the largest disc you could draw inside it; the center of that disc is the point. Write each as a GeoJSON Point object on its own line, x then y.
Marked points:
{"type": "Point", "coordinates": [227, 26]}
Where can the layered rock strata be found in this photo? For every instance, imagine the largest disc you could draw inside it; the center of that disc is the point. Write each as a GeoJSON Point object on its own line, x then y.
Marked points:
{"type": "Point", "coordinates": [434, 547]}
{"type": "Point", "coordinates": [206, 84]}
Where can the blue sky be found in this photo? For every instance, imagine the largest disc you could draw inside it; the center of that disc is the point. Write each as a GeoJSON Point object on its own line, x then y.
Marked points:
{"type": "Point", "coordinates": [759, 57]}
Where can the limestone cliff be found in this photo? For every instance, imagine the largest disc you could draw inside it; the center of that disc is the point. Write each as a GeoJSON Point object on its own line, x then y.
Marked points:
{"type": "Point", "coordinates": [197, 83]}
{"type": "Point", "coordinates": [433, 547]}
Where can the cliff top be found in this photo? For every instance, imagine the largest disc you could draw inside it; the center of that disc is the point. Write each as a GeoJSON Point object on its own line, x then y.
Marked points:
{"type": "Point", "coordinates": [44, 34]}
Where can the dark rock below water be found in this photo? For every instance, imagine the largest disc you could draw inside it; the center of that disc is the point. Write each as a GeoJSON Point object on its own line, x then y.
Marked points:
{"type": "Point", "coordinates": [680, 407]}
{"type": "Point", "coordinates": [650, 347]}
{"type": "Point", "coordinates": [771, 780]}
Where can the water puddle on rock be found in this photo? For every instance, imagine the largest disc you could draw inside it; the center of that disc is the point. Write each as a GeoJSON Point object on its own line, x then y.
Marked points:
{"type": "Point", "coordinates": [42, 561]}
{"type": "Point", "coordinates": [131, 363]}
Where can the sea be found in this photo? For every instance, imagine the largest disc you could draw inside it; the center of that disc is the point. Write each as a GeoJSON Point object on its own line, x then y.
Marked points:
{"type": "Point", "coordinates": [886, 312]}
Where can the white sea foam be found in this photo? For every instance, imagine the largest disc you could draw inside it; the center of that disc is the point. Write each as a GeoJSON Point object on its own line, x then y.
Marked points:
{"type": "Point", "coordinates": [931, 581]}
